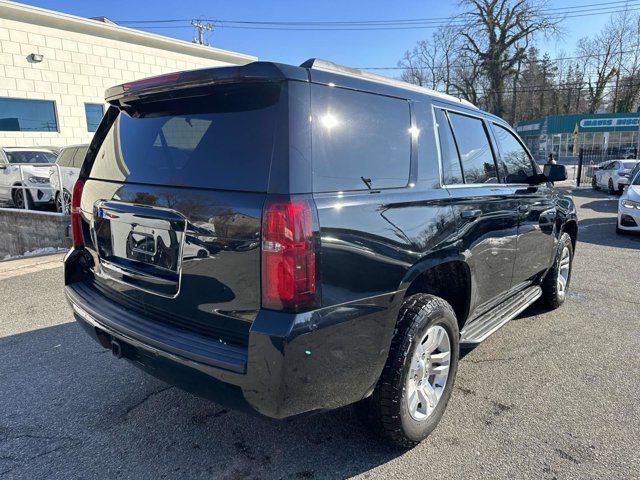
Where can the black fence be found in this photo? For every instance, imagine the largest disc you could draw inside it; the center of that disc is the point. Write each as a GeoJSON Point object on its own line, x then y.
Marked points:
{"type": "Point", "coordinates": [590, 158]}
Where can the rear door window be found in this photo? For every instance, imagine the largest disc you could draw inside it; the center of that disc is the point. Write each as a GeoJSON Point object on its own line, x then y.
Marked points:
{"type": "Point", "coordinates": [359, 140]}
{"type": "Point", "coordinates": [224, 140]}
{"type": "Point", "coordinates": [515, 164]}
{"type": "Point", "coordinates": [451, 168]}
{"type": "Point", "coordinates": [66, 157]}
{"type": "Point", "coordinates": [478, 164]}
{"type": "Point", "coordinates": [78, 158]}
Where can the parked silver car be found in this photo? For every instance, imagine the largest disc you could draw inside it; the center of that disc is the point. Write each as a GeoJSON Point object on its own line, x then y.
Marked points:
{"type": "Point", "coordinates": [613, 175]}
{"type": "Point", "coordinates": [25, 167]}
{"type": "Point", "coordinates": [69, 163]}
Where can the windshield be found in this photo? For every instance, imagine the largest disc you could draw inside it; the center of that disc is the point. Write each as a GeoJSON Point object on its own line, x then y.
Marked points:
{"type": "Point", "coordinates": [629, 164]}
{"type": "Point", "coordinates": [636, 179]}
{"type": "Point", "coordinates": [222, 140]}
{"type": "Point", "coordinates": [30, 156]}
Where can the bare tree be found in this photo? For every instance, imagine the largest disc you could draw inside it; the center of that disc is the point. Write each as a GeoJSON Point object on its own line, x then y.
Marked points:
{"type": "Point", "coordinates": [492, 31]}
{"type": "Point", "coordinates": [467, 80]}
{"type": "Point", "coordinates": [431, 62]}
{"type": "Point", "coordinates": [599, 58]}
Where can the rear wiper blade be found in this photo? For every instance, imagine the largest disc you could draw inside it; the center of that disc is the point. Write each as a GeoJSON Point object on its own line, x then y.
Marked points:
{"type": "Point", "coordinates": [367, 182]}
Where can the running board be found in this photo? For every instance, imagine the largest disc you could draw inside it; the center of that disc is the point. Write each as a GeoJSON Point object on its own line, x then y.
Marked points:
{"type": "Point", "coordinates": [491, 321]}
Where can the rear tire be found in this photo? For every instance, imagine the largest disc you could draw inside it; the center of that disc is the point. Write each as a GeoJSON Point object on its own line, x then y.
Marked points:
{"type": "Point", "coordinates": [67, 199]}
{"type": "Point", "coordinates": [594, 183]}
{"type": "Point", "coordinates": [413, 390]}
{"type": "Point", "coordinates": [556, 282]}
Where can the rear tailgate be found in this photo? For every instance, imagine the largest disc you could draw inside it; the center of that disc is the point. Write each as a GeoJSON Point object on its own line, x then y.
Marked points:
{"type": "Point", "coordinates": [172, 207]}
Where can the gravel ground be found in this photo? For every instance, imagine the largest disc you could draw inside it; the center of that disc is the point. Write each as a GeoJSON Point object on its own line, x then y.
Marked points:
{"type": "Point", "coordinates": [550, 395]}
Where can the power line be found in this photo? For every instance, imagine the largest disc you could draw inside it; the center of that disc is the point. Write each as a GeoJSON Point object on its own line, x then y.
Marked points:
{"type": "Point", "coordinates": [540, 60]}
{"type": "Point", "coordinates": [223, 24]}
{"type": "Point", "coordinates": [592, 7]}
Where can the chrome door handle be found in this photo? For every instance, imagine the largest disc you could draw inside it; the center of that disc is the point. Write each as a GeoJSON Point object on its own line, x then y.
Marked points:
{"type": "Point", "coordinates": [471, 214]}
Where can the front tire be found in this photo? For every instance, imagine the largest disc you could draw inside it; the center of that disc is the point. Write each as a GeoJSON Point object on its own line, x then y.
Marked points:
{"type": "Point", "coordinates": [417, 380]}
{"type": "Point", "coordinates": [19, 198]}
{"type": "Point", "coordinates": [611, 189]}
{"type": "Point", "coordinates": [556, 282]}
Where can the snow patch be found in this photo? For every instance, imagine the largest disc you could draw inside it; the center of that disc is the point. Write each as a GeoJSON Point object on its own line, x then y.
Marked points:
{"type": "Point", "coordinates": [37, 252]}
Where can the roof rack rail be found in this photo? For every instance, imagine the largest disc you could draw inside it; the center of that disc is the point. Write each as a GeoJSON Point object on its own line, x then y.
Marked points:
{"type": "Point", "coordinates": [328, 66]}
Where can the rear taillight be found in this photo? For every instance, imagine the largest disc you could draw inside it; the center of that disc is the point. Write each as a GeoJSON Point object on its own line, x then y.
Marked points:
{"type": "Point", "coordinates": [623, 174]}
{"type": "Point", "coordinates": [76, 218]}
{"type": "Point", "coordinates": [288, 255]}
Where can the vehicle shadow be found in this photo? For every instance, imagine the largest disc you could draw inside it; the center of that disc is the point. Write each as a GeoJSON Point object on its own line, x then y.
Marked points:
{"type": "Point", "coordinates": [602, 231]}
{"type": "Point", "coordinates": [64, 397]}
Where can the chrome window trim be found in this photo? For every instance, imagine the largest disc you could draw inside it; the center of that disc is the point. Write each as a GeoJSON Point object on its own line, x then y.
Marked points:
{"type": "Point", "coordinates": [484, 120]}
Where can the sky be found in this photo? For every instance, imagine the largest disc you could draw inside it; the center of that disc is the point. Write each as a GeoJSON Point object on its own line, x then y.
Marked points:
{"type": "Point", "coordinates": [381, 48]}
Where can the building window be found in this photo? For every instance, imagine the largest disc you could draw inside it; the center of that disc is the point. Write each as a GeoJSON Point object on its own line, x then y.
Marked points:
{"type": "Point", "coordinates": [93, 113]}
{"type": "Point", "coordinates": [23, 115]}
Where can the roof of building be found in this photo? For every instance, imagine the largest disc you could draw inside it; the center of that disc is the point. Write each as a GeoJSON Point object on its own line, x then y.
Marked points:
{"type": "Point", "coordinates": [103, 27]}
{"type": "Point", "coordinates": [588, 122]}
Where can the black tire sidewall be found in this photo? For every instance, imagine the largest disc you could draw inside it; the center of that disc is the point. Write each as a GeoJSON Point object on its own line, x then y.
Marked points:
{"type": "Point", "coordinates": [415, 430]}
{"type": "Point", "coordinates": [550, 294]}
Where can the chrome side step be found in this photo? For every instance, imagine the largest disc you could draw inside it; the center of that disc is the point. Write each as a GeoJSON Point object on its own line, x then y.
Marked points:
{"type": "Point", "coordinates": [491, 321]}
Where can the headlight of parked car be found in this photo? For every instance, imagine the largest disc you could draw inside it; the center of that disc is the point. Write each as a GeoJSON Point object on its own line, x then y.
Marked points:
{"type": "Point", "coordinates": [630, 204]}
{"type": "Point", "coordinates": [40, 180]}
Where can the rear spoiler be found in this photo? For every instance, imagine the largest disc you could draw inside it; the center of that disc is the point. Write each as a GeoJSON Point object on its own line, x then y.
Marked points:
{"type": "Point", "coordinates": [255, 71]}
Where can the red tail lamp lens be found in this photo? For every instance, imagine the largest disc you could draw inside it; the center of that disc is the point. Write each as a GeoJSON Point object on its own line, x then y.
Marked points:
{"type": "Point", "coordinates": [76, 219]}
{"type": "Point", "coordinates": [288, 255]}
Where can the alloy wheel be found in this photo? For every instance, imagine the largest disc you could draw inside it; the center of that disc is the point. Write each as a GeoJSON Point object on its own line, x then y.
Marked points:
{"type": "Point", "coordinates": [18, 199]}
{"type": "Point", "coordinates": [67, 202]}
{"type": "Point", "coordinates": [428, 372]}
{"type": "Point", "coordinates": [563, 271]}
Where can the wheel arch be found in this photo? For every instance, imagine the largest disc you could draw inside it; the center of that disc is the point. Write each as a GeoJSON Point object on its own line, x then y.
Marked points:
{"type": "Point", "coordinates": [571, 227]}
{"type": "Point", "coordinates": [448, 278]}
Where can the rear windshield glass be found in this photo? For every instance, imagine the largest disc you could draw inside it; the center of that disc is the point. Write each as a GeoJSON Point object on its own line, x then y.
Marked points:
{"type": "Point", "coordinates": [224, 139]}
{"type": "Point", "coordinates": [629, 164]}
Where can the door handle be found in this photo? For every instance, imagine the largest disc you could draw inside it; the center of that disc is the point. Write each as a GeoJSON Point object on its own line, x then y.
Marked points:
{"type": "Point", "coordinates": [470, 214]}
{"type": "Point", "coordinates": [523, 208]}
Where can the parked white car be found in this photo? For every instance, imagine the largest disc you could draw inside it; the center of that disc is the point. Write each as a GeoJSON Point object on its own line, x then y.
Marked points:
{"type": "Point", "coordinates": [613, 175]}
{"type": "Point", "coordinates": [629, 207]}
{"type": "Point", "coordinates": [69, 163]}
{"type": "Point", "coordinates": [16, 167]}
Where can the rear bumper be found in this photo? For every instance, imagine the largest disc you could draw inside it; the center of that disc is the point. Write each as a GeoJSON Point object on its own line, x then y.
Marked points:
{"type": "Point", "coordinates": [293, 363]}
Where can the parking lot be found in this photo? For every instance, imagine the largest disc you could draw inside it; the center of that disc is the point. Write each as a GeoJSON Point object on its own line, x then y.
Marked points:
{"type": "Point", "coordinates": [551, 395]}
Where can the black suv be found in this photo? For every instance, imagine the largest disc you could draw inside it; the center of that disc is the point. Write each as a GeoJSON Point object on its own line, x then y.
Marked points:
{"type": "Point", "coordinates": [290, 239]}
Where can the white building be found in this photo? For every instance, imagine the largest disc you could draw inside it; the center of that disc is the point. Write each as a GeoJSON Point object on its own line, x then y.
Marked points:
{"type": "Point", "coordinates": [55, 68]}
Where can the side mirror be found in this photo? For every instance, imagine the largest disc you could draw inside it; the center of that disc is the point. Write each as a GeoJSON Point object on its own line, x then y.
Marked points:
{"type": "Point", "coordinates": [3, 166]}
{"type": "Point", "coordinates": [554, 172]}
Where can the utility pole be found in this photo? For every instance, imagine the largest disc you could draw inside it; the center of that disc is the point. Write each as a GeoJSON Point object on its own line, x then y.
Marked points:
{"type": "Point", "coordinates": [201, 28]}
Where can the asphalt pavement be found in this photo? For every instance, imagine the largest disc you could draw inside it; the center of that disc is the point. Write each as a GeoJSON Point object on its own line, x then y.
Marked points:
{"type": "Point", "coordinates": [550, 395]}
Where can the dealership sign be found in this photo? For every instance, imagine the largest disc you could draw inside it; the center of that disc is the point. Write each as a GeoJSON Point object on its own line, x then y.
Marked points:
{"type": "Point", "coordinates": [609, 122]}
